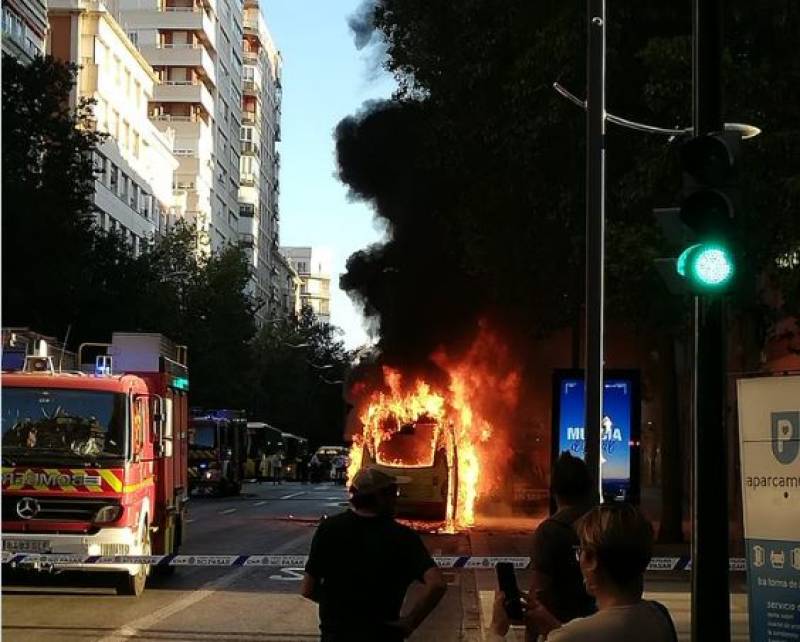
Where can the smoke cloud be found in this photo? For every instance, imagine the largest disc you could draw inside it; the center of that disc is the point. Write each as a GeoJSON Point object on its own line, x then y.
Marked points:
{"type": "Point", "coordinates": [414, 284]}
{"type": "Point", "coordinates": [362, 24]}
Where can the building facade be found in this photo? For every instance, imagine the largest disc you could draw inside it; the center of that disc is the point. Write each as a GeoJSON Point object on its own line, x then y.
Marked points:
{"type": "Point", "coordinates": [194, 48]}
{"type": "Point", "coordinates": [288, 282]}
{"type": "Point", "coordinates": [133, 189]}
{"type": "Point", "coordinates": [24, 29]}
{"type": "Point", "coordinates": [260, 165]}
{"type": "Point", "coordinates": [313, 269]}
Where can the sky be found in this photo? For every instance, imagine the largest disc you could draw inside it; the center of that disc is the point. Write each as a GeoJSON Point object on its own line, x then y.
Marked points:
{"type": "Point", "coordinates": [325, 78]}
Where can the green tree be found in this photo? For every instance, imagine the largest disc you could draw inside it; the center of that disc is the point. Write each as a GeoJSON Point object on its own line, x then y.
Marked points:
{"type": "Point", "coordinates": [300, 370]}
{"type": "Point", "coordinates": [47, 192]}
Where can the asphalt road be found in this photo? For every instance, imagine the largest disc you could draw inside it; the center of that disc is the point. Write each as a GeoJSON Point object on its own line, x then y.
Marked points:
{"type": "Point", "coordinates": [261, 604]}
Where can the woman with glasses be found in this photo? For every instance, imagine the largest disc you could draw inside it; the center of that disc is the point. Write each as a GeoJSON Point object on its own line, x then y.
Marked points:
{"type": "Point", "coordinates": [616, 544]}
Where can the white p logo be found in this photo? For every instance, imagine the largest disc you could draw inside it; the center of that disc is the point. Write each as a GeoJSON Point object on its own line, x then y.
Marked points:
{"type": "Point", "coordinates": [785, 436]}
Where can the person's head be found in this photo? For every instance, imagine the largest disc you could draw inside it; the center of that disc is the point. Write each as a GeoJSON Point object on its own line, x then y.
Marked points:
{"type": "Point", "coordinates": [374, 491]}
{"type": "Point", "coordinates": [616, 543]}
{"type": "Point", "coordinates": [571, 483]}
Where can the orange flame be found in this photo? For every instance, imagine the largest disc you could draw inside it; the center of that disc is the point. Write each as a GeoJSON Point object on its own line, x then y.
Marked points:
{"type": "Point", "coordinates": [469, 420]}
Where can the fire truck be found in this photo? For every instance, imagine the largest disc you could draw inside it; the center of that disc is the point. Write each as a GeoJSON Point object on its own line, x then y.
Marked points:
{"type": "Point", "coordinates": [217, 451]}
{"type": "Point", "coordinates": [95, 459]}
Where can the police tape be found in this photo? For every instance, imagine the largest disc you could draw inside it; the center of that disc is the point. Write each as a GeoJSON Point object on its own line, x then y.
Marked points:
{"type": "Point", "coordinates": [295, 561]}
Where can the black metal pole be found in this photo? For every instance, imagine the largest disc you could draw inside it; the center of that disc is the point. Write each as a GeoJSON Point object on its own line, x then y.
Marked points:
{"type": "Point", "coordinates": [710, 572]}
{"type": "Point", "coordinates": [595, 233]}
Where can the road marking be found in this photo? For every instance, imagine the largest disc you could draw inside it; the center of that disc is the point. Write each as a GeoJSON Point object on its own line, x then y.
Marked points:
{"type": "Point", "coordinates": [293, 495]}
{"type": "Point", "coordinates": [228, 511]}
{"type": "Point", "coordinates": [260, 503]}
{"type": "Point", "coordinates": [133, 629]}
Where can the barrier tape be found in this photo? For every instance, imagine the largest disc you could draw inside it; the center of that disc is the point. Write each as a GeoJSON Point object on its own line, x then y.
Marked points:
{"type": "Point", "coordinates": [295, 561]}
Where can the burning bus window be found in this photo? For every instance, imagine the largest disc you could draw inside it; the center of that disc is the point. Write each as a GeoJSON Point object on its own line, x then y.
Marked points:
{"type": "Point", "coordinates": [412, 444]}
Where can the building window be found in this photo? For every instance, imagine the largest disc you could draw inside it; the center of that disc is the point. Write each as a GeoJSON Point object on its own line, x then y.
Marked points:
{"type": "Point", "coordinates": [114, 179]}
{"type": "Point", "coordinates": [123, 183]}
{"type": "Point", "coordinates": [134, 197]}
{"type": "Point", "coordinates": [133, 36]}
{"type": "Point", "coordinates": [99, 165]}
{"type": "Point", "coordinates": [302, 267]}
{"type": "Point", "coordinates": [146, 204]}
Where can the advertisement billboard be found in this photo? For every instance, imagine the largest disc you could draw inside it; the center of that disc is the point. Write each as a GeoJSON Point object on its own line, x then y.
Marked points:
{"type": "Point", "coordinates": [620, 432]}
{"type": "Point", "coordinates": [769, 449]}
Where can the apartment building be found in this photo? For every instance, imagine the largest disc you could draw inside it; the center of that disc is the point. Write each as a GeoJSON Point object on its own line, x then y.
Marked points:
{"type": "Point", "coordinates": [313, 270]}
{"type": "Point", "coordinates": [194, 47]}
{"type": "Point", "coordinates": [288, 285]}
{"type": "Point", "coordinates": [24, 29]}
{"type": "Point", "coordinates": [260, 165]}
{"type": "Point", "coordinates": [135, 164]}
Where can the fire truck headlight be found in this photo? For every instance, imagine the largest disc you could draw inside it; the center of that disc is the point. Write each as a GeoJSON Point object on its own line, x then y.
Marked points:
{"type": "Point", "coordinates": [108, 514]}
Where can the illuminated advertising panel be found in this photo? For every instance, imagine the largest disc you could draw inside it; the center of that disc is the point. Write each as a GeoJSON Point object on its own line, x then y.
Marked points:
{"type": "Point", "coordinates": [620, 432]}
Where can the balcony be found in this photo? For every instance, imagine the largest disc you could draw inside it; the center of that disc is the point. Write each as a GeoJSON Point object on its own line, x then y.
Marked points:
{"type": "Point", "coordinates": [246, 240]}
{"type": "Point", "coordinates": [192, 19]}
{"type": "Point", "coordinates": [250, 58]}
{"type": "Point", "coordinates": [248, 148]}
{"type": "Point", "coordinates": [251, 26]}
{"type": "Point", "coordinates": [278, 133]}
{"type": "Point", "coordinates": [251, 118]}
{"type": "Point", "coordinates": [247, 210]}
{"type": "Point", "coordinates": [251, 88]}
{"type": "Point", "coordinates": [184, 91]}
{"type": "Point", "coordinates": [247, 180]}
{"type": "Point", "coordinates": [181, 55]}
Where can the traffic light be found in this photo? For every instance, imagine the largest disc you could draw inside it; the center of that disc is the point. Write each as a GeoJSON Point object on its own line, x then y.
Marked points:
{"type": "Point", "coordinates": [702, 226]}
{"type": "Point", "coordinates": [708, 209]}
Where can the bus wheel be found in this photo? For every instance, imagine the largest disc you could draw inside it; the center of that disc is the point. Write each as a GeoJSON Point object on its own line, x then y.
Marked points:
{"type": "Point", "coordinates": [134, 584]}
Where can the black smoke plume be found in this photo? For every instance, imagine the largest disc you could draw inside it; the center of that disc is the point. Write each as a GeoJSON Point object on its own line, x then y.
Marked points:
{"type": "Point", "coordinates": [414, 284]}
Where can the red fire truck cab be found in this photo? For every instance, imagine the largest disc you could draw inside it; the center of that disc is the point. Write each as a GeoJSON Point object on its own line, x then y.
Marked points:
{"type": "Point", "coordinates": [94, 464]}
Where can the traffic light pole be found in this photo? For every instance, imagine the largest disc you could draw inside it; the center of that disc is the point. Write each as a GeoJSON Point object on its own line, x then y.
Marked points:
{"type": "Point", "coordinates": [595, 235]}
{"type": "Point", "coordinates": [710, 572]}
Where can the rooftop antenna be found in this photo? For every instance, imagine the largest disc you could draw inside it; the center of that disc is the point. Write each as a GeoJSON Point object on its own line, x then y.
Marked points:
{"type": "Point", "coordinates": [64, 347]}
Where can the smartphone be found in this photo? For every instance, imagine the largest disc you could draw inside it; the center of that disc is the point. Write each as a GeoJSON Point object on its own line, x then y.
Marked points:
{"type": "Point", "coordinates": [507, 582]}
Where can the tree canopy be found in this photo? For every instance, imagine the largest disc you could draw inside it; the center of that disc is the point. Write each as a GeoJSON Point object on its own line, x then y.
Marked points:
{"type": "Point", "coordinates": [477, 164]}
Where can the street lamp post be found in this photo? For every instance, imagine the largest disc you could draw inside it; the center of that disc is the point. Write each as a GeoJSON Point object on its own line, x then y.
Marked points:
{"type": "Point", "coordinates": [595, 236]}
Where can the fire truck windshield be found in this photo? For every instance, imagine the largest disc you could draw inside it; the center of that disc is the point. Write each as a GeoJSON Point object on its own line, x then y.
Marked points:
{"type": "Point", "coordinates": [52, 422]}
{"type": "Point", "coordinates": [203, 435]}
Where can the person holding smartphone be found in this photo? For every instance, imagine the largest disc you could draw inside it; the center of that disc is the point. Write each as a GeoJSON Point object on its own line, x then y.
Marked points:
{"type": "Point", "coordinates": [556, 579]}
{"type": "Point", "coordinates": [616, 544]}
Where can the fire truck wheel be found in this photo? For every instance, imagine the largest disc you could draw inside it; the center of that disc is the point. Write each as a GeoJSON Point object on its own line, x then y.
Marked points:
{"type": "Point", "coordinates": [134, 584]}
{"type": "Point", "coordinates": [170, 548]}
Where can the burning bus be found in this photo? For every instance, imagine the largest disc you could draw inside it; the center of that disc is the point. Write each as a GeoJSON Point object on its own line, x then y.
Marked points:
{"type": "Point", "coordinates": [418, 452]}
{"type": "Point", "coordinates": [449, 433]}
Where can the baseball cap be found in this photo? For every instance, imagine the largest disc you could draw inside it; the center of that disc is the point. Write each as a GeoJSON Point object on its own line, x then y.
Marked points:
{"type": "Point", "coordinates": [368, 481]}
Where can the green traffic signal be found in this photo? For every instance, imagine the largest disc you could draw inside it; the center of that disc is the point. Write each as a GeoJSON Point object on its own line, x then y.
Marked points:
{"type": "Point", "coordinates": [708, 266]}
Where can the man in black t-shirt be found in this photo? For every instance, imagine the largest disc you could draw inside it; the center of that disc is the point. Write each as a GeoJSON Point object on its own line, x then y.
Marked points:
{"type": "Point", "coordinates": [556, 579]}
{"type": "Point", "coordinates": [361, 564]}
